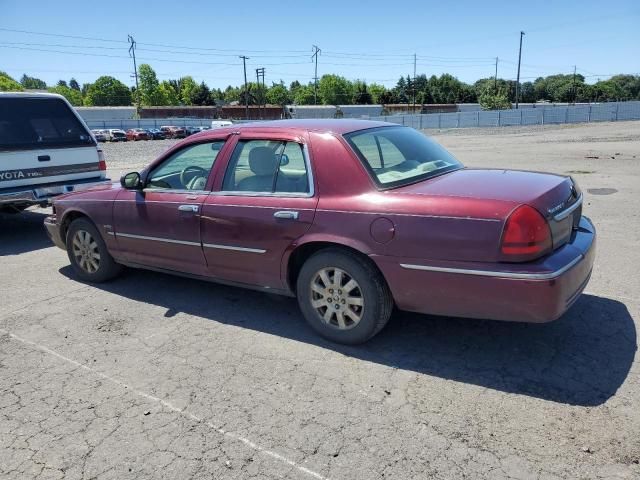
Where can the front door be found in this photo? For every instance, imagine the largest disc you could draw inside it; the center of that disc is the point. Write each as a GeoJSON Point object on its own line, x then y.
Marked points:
{"type": "Point", "coordinates": [160, 225]}
{"type": "Point", "coordinates": [265, 203]}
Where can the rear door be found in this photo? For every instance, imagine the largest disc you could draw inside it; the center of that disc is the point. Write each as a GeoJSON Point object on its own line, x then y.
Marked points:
{"type": "Point", "coordinates": [265, 203]}
{"type": "Point", "coordinates": [42, 140]}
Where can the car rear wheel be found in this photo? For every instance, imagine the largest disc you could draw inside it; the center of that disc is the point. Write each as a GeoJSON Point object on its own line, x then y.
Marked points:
{"type": "Point", "coordinates": [343, 297]}
{"type": "Point", "coordinates": [88, 253]}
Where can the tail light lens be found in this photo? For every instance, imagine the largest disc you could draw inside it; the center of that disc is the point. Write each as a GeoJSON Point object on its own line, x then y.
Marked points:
{"type": "Point", "coordinates": [526, 235]}
{"type": "Point", "coordinates": [102, 164]}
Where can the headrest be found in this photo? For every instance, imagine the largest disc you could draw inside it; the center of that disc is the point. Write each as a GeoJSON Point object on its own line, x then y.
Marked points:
{"type": "Point", "coordinates": [262, 161]}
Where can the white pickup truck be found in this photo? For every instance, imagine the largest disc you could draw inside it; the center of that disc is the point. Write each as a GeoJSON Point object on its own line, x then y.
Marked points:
{"type": "Point", "coordinates": [46, 149]}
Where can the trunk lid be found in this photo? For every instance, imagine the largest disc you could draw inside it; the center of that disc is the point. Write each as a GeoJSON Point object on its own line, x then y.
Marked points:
{"type": "Point", "coordinates": [556, 197]}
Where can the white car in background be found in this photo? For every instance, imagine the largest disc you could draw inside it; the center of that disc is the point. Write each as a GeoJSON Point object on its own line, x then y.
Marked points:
{"type": "Point", "coordinates": [220, 123]}
{"type": "Point", "coordinates": [46, 149]}
{"type": "Point", "coordinates": [99, 135]}
{"type": "Point", "coordinates": [117, 135]}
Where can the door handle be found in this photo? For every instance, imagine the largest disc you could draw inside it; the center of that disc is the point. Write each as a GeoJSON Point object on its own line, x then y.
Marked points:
{"type": "Point", "coordinates": [44, 158]}
{"type": "Point", "coordinates": [189, 208]}
{"type": "Point", "coordinates": [288, 214]}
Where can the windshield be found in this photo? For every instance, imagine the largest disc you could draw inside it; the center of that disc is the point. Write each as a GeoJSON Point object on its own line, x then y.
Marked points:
{"type": "Point", "coordinates": [400, 155]}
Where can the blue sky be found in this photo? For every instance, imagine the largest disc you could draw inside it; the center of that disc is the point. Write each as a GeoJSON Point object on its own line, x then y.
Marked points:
{"type": "Point", "coordinates": [374, 41]}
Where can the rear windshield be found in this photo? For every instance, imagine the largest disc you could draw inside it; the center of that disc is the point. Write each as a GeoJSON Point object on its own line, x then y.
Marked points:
{"type": "Point", "coordinates": [398, 156]}
{"type": "Point", "coordinates": [30, 123]}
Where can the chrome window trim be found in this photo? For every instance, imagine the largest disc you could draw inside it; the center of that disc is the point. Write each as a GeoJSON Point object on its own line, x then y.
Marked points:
{"type": "Point", "coordinates": [157, 239]}
{"type": "Point", "coordinates": [493, 273]}
{"type": "Point", "coordinates": [231, 247]}
{"type": "Point", "coordinates": [565, 213]}
{"type": "Point", "coordinates": [310, 180]}
{"type": "Point", "coordinates": [175, 190]}
{"type": "Point", "coordinates": [446, 217]}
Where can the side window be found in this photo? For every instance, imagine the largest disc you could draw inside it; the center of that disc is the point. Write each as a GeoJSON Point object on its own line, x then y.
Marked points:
{"type": "Point", "coordinates": [187, 169]}
{"type": "Point", "coordinates": [264, 166]}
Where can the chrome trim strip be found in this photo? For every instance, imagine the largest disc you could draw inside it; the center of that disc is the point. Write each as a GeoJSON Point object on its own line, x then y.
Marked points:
{"type": "Point", "coordinates": [394, 214]}
{"type": "Point", "coordinates": [565, 213]}
{"type": "Point", "coordinates": [157, 239]}
{"type": "Point", "coordinates": [237, 249]}
{"type": "Point", "coordinates": [492, 273]}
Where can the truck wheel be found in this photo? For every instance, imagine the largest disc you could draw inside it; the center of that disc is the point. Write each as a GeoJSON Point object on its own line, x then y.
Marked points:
{"type": "Point", "coordinates": [88, 253]}
{"type": "Point", "coordinates": [343, 297]}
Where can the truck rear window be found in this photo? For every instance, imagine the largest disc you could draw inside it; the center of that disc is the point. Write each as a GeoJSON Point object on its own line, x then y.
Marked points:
{"type": "Point", "coordinates": [32, 123]}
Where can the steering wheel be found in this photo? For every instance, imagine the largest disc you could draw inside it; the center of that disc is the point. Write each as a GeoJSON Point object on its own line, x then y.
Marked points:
{"type": "Point", "coordinates": [188, 174]}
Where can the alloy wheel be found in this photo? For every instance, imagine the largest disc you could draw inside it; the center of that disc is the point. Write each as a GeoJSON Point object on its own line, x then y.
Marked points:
{"type": "Point", "coordinates": [337, 298]}
{"type": "Point", "coordinates": [85, 251]}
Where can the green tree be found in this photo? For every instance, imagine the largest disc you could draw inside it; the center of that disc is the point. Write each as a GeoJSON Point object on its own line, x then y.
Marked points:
{"type": "Point", "coordinates": [277, 94]}
{"type": "Point", "coordinates": [169, 92]}
{"type": "Point", "coordinates": [107, 91]}
{"type": "Point", "coordinates": [73, 83]}
{"type": "Point", "coordinates": [32, 83]}
{"type": "Point", "coordinates": [361, 95]}
{"type": "Point", "coordinates": [304, 95]}
{"type": "Point", "coordinates": [187, 86]}
{"type": "Point", "coordinates": [201, 95]}
{"type": "Point", "coordinates": [377, 91]}
{"type": "Point", "coordinates": [334, 90]}
{"type": "Point", "coordinates": [491, 99]}
{"type": "Point", "coordinates": [62, 83]}
{"type": "Point", "coordinates": [231, 94]}
{"type": "Point", "coordinates": [149, 92]}
{"type": "Point", "coordinates": [8, 84]}
{"type": "Point", "coordinates": [73, 96]}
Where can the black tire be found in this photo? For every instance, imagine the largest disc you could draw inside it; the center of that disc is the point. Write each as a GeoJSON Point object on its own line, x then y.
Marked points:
{"type": "Point", "coordinates": [90, 269]}
{"type": "Point", "coordinates": [377, 302]}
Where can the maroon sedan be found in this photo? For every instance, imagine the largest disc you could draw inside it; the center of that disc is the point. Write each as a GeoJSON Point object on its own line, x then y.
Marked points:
{"type": "Point", "coordinates": [136, 134]}
{"type": "Point", "coordinates": [352, 217]}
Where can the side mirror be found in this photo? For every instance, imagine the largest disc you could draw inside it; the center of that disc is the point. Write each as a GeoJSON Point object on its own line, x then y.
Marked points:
{"type": "Point", "coordinates": [131, 181]}
{"type": "Point", "coordinates": [284, 160]}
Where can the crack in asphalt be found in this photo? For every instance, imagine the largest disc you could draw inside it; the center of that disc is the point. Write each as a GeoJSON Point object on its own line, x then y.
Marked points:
{"type": "Point", "coordinates": [170, 406]}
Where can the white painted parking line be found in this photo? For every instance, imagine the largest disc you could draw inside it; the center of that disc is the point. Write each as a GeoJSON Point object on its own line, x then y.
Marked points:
{"type": "Point", "coordinates": [168, 405]}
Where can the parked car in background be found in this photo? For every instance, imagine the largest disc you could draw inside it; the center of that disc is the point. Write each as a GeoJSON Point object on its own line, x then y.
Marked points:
{"type": "Point", "coordinates": [99, 135]}
{"type": "Point", "coordinates": [156, 134]}
{"type": "Point", "coordinates": [46, 149]}
{"type": "Point", "coordinates": [220, 123]}
{"type": "Point", "coordinates": [117, 135]}
{"type": "Point", "coordinates": [402, 223]}
{"type": "Point", "coordinates": [174, 132]}
{"type": "Point", "coordinates": [135, 134]}
{"type": "Point", "coordinates": [192, 130]}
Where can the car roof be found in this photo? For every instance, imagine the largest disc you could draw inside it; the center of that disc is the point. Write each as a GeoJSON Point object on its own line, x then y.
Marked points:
{"type": "Point", "coordinates": [338, 126]}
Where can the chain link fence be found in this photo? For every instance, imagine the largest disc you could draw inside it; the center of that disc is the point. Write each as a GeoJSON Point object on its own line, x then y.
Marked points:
{"type": "Point", "coordinates": [148, 123]}
{"type": "Point", "coordinates": [605, 112]}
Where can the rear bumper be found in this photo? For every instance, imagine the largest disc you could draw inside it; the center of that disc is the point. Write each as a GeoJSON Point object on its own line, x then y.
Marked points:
{"type": "Point", "coordinates": [40, 194]}
{"type": "Point", "coordinates": [534, 292]}
{"type": "Point", "coordinates": [53, 231]}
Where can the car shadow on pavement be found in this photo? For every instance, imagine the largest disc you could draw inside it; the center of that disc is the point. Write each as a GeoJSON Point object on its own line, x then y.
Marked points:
{"type": "Point", "coordinates": [580, 359]}
{"type": "Point", "coordinates": [23, 232]}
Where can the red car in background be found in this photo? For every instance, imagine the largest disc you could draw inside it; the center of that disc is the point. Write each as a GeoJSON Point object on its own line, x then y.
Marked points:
{"type": "Point", "coordinates": [173, 132]}
{"type": "Point", "coordinates": [351, 216]}
{"type": "Point", "coordinates": [135, 134]}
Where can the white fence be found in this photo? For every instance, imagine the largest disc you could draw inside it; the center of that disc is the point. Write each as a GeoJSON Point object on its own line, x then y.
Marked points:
{"type": "Point", "coordinates": [148, 123]}
{"type": "Point", "coordinates": [604, 112]}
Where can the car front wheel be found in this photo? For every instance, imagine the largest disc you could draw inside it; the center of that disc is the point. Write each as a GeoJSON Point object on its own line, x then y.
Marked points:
{"type": "Point", "coordinates": [88, 253]}
{"type": "Point", "coordinates": [343, 297]}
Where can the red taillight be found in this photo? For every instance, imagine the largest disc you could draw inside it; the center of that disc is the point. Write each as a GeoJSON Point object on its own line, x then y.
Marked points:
{"type": "Point", "coordinates": [102, 165]}
{"type": "Point", "coordinates": [526, 235]}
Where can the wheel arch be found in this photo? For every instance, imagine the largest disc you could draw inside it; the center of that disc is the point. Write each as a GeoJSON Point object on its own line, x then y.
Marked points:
{"type": "Point", "coordinates": [302, 251]}
{"type": "Point", "coordinates": [68, 217]}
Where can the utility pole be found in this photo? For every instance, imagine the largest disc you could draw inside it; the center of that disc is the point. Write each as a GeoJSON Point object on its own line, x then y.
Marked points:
{"type": "Point", "coordinates": [518, 79]}
{"type": "Point", "coordinates": [246, 93]}
{"type": "Point", "coordinates": [259, 73]}
{"type": "Point", "coordinates": [132, 53]}
{"type": "Point", "coordinates": [316, 51]}
{"type": "Point", "coordinates": [575, 91]}
{"type": "Point", "coordinates": [414, 83]}
{"type": "Point", "coordinates": [495, 78]}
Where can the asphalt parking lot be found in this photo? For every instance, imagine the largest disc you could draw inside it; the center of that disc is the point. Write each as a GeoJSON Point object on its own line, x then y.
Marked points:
{"type": "Point", "coordinates": [154, 376]}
